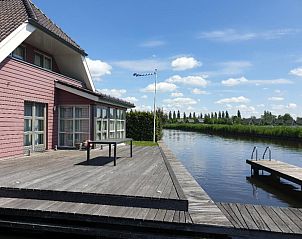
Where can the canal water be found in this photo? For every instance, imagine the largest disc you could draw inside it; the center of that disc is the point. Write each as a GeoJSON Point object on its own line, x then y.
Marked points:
{"type": "Point", "coordinates": [218, 165]}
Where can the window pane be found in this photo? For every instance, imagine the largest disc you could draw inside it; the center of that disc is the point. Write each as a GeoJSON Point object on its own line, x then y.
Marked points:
{"type": "Point", "coordinates": [39, 125]}
{"type": "Point", "coordinates": [28, 111]}
{"type": "Point", "coordinates": [112, 113]}
{"type": "Point", "coordinates": [82, 112]}
{"type": "Point", "coordinates": [39, 139]}
{"type": "Point", "coordinates": [81, 125]}
{"type": "Point", "coordinates": [19, 53]}
{"type": "Point", "coordinates": [98, 136]}
{"type": "Point", "coordinates": [66, 112]}
{"type": "Point", "coordinates": [112, 135]}
{"type": "Point", "coordinates": [38, 60]}
{"type": "Point", "coordinates": [47, 63]}
{"type": "Point", "coordinates": [66, 139]}
{"type": "Point", "coordinates": [98, 125]}
{"type": "Point", "coordinates": [112, 125]}
{"type": "Point", "coordinates": [105, 113]}
{"type": "Point", "coordinates": [123, 114]}
{"type": "Point", "coordinates": [104, 135]}
{"type": "Point", "coordinates": [27, 140]}
{"type": "Point", "coordinates": [98, 113]}
{"type": "Point", "coordinates": [79, 137]}
{"type": "Point", "coordinates": [39, 110]}
{"type": "Point", "coordinates": [66, 125]}
{"type": "Point", "coordinates": [27, 125]}
{"type": "Point", "coordinates": [104, 124]}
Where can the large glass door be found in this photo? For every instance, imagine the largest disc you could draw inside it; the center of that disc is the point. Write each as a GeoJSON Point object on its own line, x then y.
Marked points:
{"type": "Point", "coordinates": [74, 126]}
{"type": "Point", "coordinates": [34, 137]}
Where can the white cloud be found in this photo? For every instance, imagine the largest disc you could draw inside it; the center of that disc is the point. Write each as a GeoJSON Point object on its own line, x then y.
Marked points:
{"type": "Point", "coordinates": [232, 35]}
{"type": "Point", "coordinates": [144, 96]}
{"type": "Point", "coordinates": [230, 68]}
{"type": "Point", "coordinates": [143, 108]}
{"type": "Point", "coordinates": [113, 92]}
{"type": "Point", "coordinates": [284, 107]}
{"type": "Point", "coordinates": [152, 43]}
{"type": "Point", "coordinates": [275, 98]}
{"type": "Point", "coordinates": [188, 80]}
{"type": "Point", "coordinates": [197, 91]}
{"type": "Point", "coordinates": [243, 80]}
{"type": "Point", "coordinates": [184, 63]}
{"type": "Point", "coordinates": [278, 91]}
{"type": "Point", "coordinates": [179, 102]}
{"type": "Point", "coordinates": [261, 105]}
{"type": "Point", "coordinates": [177, 94]}
{"type": "Point", "coordinates": [240, 99]}
{"type": "Point", "coordinates": [98, 68]}
{"type": "Point", "coordinates": [296, 71]}
{"type": "Point", "coordinates": [160, 87]}
{"type": "Point", "coordinates": [131, 99]}
{"type": "Point", "coordinates": [292, 106]}
{"type": "Point", "coordinates": [143, 65]}
{"type": "Point", "coordinates": [234, 81]}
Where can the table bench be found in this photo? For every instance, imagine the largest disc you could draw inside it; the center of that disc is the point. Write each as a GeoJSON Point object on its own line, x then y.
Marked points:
{"type": "Point", "coordinates": [110, 142]}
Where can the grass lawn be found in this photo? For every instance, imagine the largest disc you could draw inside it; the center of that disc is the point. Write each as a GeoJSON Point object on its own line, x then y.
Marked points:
{"type": "Point", "coordinates": [144, 143]}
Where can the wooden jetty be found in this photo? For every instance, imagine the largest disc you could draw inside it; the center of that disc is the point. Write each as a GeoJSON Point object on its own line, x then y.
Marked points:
{"type": "Point", "coordinates": [278, 169]}
{"type": "Point", "coordinates": [278, 220]}
{"type": "Point", "coordinates": [150, 195]}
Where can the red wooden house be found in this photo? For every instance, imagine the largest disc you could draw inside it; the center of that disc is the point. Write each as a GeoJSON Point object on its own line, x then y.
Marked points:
{"type": "Point", "coordinates": [47, 96]}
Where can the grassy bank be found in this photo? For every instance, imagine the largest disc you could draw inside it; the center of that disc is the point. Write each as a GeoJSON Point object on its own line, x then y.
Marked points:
{"type": "Point", "coordinates": [143, 143]}
{"type": "Point", "coordinates": [280, 132]}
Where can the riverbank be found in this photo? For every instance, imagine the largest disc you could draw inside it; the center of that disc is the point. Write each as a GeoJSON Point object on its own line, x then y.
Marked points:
{"type": "Point", "coordinates": [274, 132]}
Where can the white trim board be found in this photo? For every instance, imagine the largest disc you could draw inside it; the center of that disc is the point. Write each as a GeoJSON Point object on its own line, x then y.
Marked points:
{"type": "Point", "coordinates": [91, 85]}
{"type": "Point", "coordinates": [13, 40]}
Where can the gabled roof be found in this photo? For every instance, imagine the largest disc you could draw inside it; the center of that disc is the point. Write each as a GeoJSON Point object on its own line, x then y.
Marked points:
{"type": "Point", "coordinates": [16, 12]}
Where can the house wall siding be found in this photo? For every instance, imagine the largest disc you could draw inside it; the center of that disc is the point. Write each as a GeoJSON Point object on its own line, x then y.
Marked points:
{"type": "Point", "coordinates": [19, 82]}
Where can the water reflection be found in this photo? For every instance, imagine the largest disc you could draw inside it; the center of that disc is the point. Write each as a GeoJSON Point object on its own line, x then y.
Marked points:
{"type": "Point", "coordinates": [218, 165]}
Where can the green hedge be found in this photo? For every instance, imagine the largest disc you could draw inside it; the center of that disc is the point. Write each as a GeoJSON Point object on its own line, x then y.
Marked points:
{"type": "Point", "coordinates": [284, 132]}
{"type": "Point", "coordinates": [139, 126]}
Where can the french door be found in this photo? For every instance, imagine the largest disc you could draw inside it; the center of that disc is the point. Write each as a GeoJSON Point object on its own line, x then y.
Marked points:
{"type": "Point", "coordinates": [74, 126]}
{"type": "Point", "coordinates": [34, 137]}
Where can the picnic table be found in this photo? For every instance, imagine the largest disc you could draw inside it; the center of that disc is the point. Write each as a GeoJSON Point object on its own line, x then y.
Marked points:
{"type": "Point", "coordinates": [110, 142]}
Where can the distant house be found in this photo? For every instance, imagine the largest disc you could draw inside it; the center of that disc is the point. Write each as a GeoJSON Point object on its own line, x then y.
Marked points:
{"type": "Point", "coordinates": [299, 121]}
{"type": "Point", "coordinates": [201, 121]}
{"type": "Point", "coordinates": [180, 121]}
{"type": "Point", "coordinates": [47, 96]}
{"type": "Point", "coordinates": [247, 121]}
{"type": "Point", "coordinates": [190, 120]}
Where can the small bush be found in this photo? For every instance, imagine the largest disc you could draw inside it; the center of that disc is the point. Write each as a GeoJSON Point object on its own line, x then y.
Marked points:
{"type": "Point", "coordinates": [139, 126]}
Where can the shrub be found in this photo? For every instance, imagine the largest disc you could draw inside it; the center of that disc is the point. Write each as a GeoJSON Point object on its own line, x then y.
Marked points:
{"type": "Point", "coordinates": [139, 125]}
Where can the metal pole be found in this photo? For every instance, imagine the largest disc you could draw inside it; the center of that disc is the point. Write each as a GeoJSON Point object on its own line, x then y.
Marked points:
{"type": "Point", "coordinates": [154, 109]}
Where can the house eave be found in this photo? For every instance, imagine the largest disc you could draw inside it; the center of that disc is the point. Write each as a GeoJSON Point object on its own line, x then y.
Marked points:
{"type": "Point", "coordinates": [97, 98]}
{"type": "Point", "coordinates": [37, 25]}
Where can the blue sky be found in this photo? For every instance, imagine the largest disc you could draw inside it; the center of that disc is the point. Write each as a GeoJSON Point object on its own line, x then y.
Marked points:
{"type": "Point", "coordinates": [210, 55]}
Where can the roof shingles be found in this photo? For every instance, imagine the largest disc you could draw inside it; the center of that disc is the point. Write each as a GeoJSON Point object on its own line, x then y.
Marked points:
{"type": "Point", "coordinates": [16, 12]}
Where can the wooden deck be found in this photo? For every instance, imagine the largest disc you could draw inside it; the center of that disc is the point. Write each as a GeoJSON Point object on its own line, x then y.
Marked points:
{"type": "Point", "coordinates": [279, 169]}
{"type": "Point", "coordinates": [61, 189]}
{"type": "Point", "coordinates": [279, 220]}
{"type": "Point", "coordinates": [151, 195]}
{"type": "Point", "coordinates": [141, 181]}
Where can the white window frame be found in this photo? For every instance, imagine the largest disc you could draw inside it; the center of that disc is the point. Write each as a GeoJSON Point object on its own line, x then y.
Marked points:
{"type": "Point", "coordinates": [101, 120]}
{"type": "Point", "coordinates": [73, 119]}
{"type": "Point", "coordinates": [44, 56]}
{"type": "Point", "coordinates": [16, 57]}
{"type": "Point", "coordinates": [33, 133]}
